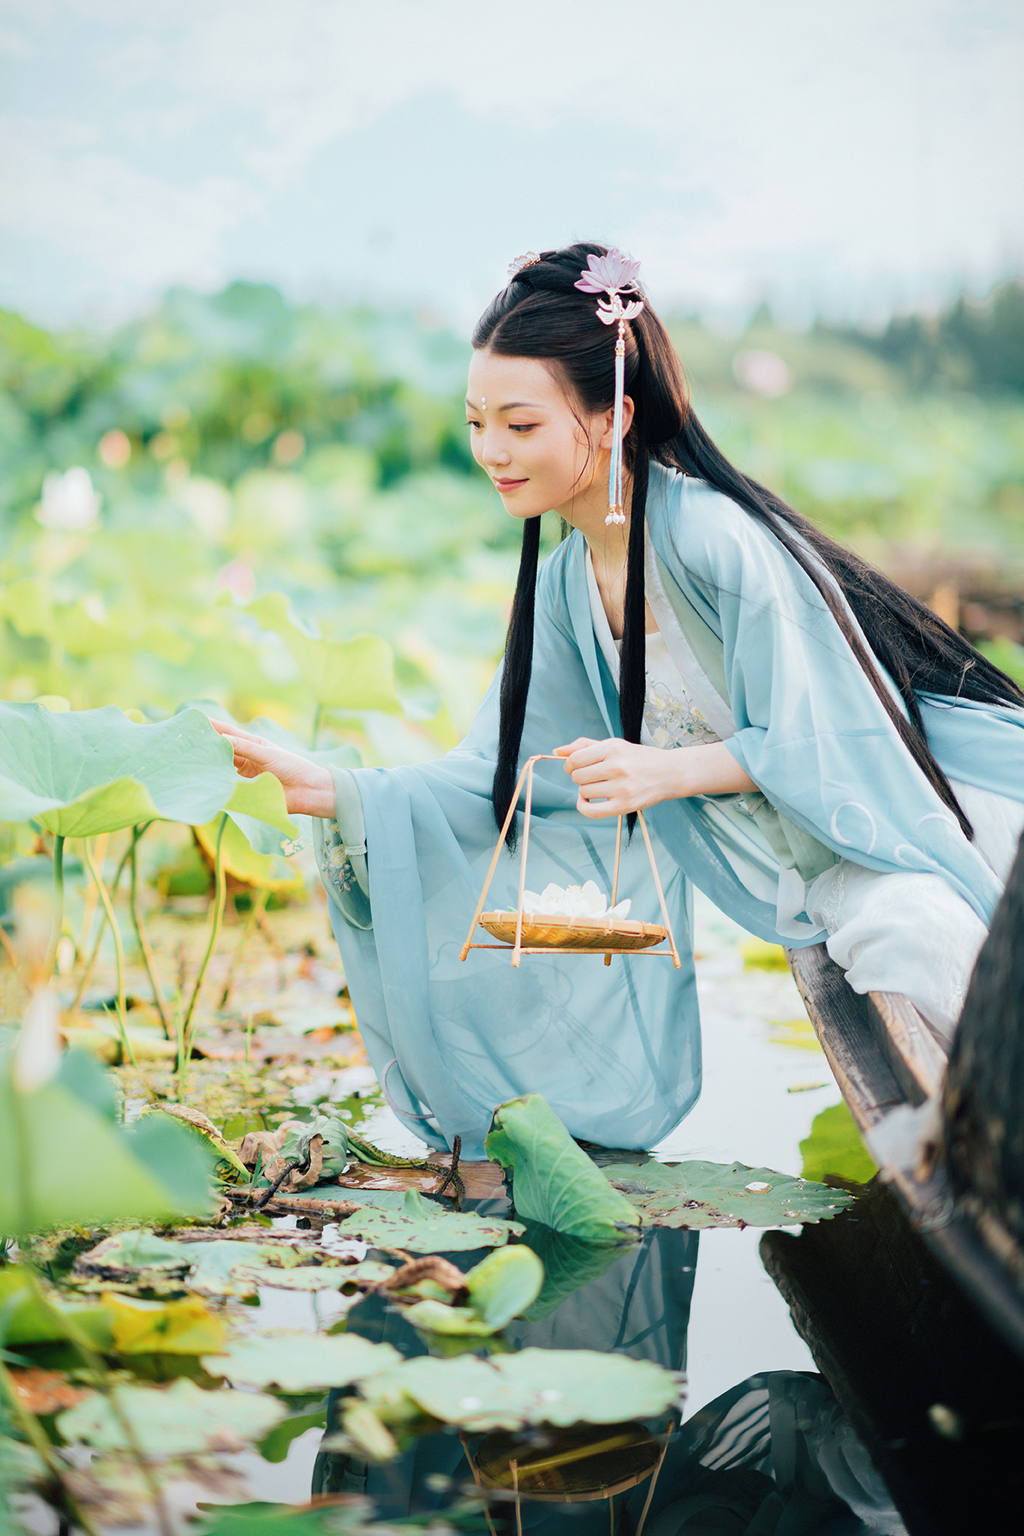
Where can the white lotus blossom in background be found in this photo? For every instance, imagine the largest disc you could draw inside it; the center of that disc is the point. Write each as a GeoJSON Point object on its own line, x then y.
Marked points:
{"type": "Point", "coordinates": [763, 373]}
{"type": "Point", "coordinates": [38, 1053]}
{"type": "Point", "coordinates": [574, 901]}
{"type": "Point", "coordinates": [69, 503]}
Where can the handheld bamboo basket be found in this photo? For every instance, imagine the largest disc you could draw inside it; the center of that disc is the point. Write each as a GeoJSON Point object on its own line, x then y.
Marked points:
{"type": "Point", "coordinates": [542, 934]}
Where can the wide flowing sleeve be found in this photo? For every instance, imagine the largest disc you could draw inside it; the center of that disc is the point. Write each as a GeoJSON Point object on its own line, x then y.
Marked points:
{"type": "Point", "coordinates": [340, 848]}
{"type": "Point", "coordinates": [810, 729]}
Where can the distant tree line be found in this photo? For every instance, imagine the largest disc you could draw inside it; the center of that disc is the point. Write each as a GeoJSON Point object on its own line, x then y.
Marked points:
{"type": "Point", "coordinates": [972, 345]}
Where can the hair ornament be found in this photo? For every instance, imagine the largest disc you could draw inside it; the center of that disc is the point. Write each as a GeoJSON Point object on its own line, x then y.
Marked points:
{"type": "Point", "coordinates": [530, 259]}
{"type": "Point", "coordinates": [614, 275]}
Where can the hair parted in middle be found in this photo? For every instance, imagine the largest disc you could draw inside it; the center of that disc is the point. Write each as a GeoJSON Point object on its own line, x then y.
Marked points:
{"type": "Point", "coordinates": [542, 315]}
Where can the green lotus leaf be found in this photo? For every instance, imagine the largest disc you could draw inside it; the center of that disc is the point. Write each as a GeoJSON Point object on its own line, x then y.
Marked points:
{"type": "Point", "coordinates": [65, 1164]}
{"type": "Point", "coordinates": [722, 1195]}
{"type": "Point", "coordinates": [834, 1146]}
{"type": "Point", "coordinates": [553, 1180]}
{"type": "Point", "coordinates": [179, 1420]}
{"type": "Point", "coordinates": [295, 1361]}
{"type": "Point", "coordinates": [422, 1228]}
{"type": "Point", "coordinates": [533, 1386]}
{"type": "Point", "coordinates": [352, 674]}
{"type": "Point", "coordinates": [500, 1287]}
{"type": "Point", "coordinates": [91, 771]}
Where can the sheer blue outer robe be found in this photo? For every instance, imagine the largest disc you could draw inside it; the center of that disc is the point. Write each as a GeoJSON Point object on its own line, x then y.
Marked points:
{"type": "Point", "coordinates": [616, 1051]}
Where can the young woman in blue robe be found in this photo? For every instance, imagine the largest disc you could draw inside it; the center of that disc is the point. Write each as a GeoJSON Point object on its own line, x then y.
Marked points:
{"type": "Point", "coordinates": [813, 748]}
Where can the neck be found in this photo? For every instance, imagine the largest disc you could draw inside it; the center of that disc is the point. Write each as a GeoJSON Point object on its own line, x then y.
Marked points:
{"type": "Point", "coordinates": [608, 542]}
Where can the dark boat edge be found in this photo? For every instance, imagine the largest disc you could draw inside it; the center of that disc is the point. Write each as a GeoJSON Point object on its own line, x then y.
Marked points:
{"type": "Point", "coordinates": [884, 1058]}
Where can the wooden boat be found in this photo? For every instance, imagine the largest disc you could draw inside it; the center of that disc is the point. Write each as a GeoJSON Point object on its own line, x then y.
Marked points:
{"type": "Point", "coordinates": [912, 1302]}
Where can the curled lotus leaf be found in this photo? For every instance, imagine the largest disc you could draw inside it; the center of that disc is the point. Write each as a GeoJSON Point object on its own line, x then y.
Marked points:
{"type": "Point", "coordinates": [422, 1228]}
{"type": "Point", "coordinates": [722, 1195]}
{"type": "Point", "coordinates": [554, 1182]}
{"type": "Point", "coordinates": [179, 1420]}
{"type": "Point", "coordinates": [295, 1361]}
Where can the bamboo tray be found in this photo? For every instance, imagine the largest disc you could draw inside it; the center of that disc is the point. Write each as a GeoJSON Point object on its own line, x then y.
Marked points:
{"type": "Point", "coordinates": [598, 933]}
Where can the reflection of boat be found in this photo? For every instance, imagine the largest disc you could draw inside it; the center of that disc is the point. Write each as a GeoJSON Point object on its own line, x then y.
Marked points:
{"type": "Point", "coordinates": [774, 1448]}
{"type": "Point", "coordinates": [913, 1302]}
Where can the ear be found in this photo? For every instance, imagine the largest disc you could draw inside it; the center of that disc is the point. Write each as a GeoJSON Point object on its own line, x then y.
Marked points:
{"type": "Point", "coordinates": [609, 422]}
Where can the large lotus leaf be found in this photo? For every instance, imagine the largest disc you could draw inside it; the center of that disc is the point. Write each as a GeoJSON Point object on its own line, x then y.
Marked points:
{"type": "Point", "coordinates": [91, 771]}
{"type": "Point", "coordinates": [533, 1386]}
{"type": "Point", "coordinates": [179, 1420]}
{"type": "Point", "coordinates": [722, 1195]}
{"type": "Point", "coordinates": [570, 1263]}
{"type": "Point", "coordinates": [295, 1361]}
{"type": "Point", "coordinates": [553, 1180]}
{"type": "Point", "coordinates": [422, 1228]}
{"type": "Point", "coordinates": [500, 1287]}
{"type": "Point", "coordinates": [64, 1164]}
{"type": "Point", "coordinates": [350, 674]}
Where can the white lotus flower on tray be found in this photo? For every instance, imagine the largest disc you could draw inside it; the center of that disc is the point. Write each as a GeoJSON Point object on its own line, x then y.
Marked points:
{"type": "Point", "coordinates": [572, 901]}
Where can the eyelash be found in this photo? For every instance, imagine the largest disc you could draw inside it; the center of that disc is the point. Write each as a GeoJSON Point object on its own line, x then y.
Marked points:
{"type": "Point", "coordinates": [512, 426]}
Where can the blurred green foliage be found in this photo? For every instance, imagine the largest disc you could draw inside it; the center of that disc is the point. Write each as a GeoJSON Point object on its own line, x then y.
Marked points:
{"type": "Point", "coordinates": [155, 478]}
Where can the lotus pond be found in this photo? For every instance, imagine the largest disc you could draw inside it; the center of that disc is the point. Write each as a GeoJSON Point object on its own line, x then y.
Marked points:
{"type": "Point", "coordinates": [604, 1347]}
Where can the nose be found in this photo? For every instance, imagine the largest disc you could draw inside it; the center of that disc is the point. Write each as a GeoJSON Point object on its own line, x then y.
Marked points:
{"type": "Point", "coordinates": [493, 452]}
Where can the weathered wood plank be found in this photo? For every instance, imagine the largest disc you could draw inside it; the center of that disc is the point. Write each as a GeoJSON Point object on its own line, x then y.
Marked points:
{"type": "Point", "coordinates": [839, 1017]}
{"type": "Point", "coordinates": [917, 1060]}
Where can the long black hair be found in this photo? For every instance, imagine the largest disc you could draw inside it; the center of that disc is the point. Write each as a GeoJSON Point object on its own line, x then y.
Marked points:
{"type": "Point", "coordinates": [540, 314]}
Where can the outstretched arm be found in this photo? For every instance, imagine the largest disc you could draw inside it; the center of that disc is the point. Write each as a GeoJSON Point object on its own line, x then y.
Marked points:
{"type": "Point", "coordinates": [308, 788]}
{"type": "Point", "coordinates": [619, 776]}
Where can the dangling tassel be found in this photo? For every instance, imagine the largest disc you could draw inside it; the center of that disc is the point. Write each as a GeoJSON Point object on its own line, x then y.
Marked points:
{"type": "Point", "coordinates": [614, 275]}
{"type": "Point", "coordinates": [616, 515]}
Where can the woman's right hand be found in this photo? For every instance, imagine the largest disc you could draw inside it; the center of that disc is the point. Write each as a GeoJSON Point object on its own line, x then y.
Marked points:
{"type": "Point", "coordinates": [308, 789]}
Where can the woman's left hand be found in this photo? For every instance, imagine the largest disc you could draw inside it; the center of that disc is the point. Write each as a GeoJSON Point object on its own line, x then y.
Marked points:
{"type": "Point", "coordinates": [615, 777]}
{"type": "Point", "coordinates": [619, 776]}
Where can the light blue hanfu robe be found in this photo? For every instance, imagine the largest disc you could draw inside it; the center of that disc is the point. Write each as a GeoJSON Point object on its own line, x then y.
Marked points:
{"type": "Point", "coordinates": [616, 1051]}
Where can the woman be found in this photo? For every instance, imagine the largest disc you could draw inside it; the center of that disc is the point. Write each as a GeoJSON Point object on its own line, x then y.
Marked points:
{"type": "Point", "coordinates": [843, 766]}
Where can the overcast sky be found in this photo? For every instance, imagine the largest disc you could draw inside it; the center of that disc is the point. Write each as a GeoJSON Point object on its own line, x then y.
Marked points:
{"type": "Point", "coordinates": [847, 158]}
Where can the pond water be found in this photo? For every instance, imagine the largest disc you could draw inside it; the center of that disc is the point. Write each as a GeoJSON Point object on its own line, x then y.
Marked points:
{"type": "Point", "coordinates": [755, 1407]}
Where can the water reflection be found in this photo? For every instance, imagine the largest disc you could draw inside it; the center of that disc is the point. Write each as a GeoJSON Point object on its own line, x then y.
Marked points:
{"type": "Point", "coordinates": [771, 1457]}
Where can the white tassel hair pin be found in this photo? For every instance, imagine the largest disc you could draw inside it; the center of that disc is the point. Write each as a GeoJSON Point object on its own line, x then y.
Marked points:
{"type": "Point", "coordinates": [614, 275]}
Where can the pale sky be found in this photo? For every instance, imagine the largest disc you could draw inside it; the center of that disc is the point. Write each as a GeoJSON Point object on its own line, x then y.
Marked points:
{"type": "Point", "coordinates": [846, 158]}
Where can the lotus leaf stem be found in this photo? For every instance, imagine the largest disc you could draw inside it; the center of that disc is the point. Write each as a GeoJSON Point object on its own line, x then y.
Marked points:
{"type": "Point", "coordinates": [91, 965]}
{"type": "Point", "coordinates": [140, 930]}
{"type": "Point", "coordinates": [255, 913]}
{"type": "Point", "coordinates": [58, 903]}
{"type": "Point", "coordinates": [108, 907]}
{"type": "Point", "coordinates": [216, 919]}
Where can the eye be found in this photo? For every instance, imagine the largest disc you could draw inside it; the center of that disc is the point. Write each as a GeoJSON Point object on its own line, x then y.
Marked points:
{"type": "Point", "coordinates": [471, 422]}
{"type": "Point", "coordinates": [521, 426]}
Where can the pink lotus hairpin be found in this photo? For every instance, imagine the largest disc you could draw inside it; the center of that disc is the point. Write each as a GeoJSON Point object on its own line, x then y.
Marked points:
{"type": "Point", "coordinates": [614, 275]}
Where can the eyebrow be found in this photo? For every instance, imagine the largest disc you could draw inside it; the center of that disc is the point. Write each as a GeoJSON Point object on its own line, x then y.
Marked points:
{"type": "Point", "coordinates": [515, 405]}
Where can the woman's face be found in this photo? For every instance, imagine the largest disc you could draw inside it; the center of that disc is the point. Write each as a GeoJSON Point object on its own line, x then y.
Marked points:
{"type": "Point", "coordinates": [527, 435]}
